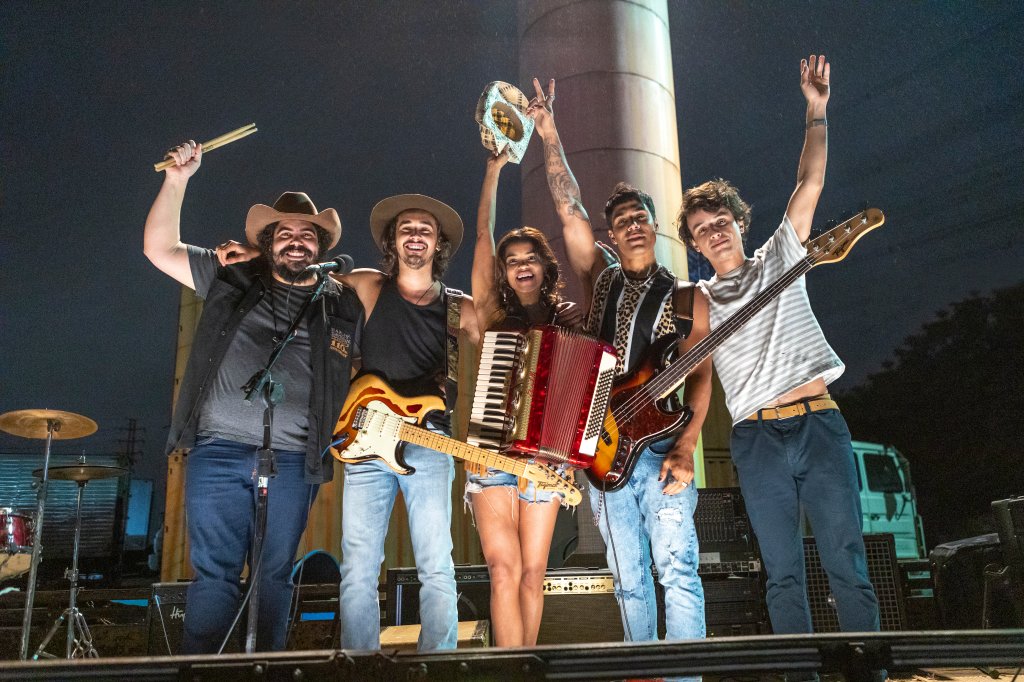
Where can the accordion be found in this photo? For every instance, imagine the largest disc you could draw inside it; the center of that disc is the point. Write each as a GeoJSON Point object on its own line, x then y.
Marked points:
{"type": "Point", "coordinates": [543, 394]}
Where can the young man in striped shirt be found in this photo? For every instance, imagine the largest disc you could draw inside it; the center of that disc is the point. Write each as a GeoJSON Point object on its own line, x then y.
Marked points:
{"type": "Point", "coordinates": [790, 444]}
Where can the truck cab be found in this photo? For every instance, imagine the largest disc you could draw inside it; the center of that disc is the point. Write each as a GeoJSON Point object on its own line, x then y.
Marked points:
{"type": "Point", "coordinates": [888, 500]}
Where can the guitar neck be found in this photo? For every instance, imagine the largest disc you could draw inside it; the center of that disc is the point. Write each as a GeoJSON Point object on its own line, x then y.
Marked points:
{"type": "Point", "coordinates": [456, 448]}
{"type": "Point", "coordinates": [672, 378]}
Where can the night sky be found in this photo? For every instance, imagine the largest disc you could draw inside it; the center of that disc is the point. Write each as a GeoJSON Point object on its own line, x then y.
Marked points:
{"type": "Point", "coordinates": [357, 101]}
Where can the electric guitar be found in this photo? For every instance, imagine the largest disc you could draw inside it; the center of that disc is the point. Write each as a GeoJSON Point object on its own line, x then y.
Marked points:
{"type": "Point", "coordinates": [643, 407]}
{"type": "Point", "coordinates": [376, 421]}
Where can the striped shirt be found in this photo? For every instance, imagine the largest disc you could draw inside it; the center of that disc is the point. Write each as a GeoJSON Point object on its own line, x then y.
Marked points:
{"type": "Point", "coordinates": [782, 347]}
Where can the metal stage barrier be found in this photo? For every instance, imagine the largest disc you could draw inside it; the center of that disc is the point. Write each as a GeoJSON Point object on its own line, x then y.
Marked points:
{"type": "Point", "coordinates": [855, 656]}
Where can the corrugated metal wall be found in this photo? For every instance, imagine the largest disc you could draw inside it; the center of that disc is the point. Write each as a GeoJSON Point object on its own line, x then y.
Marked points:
{"type": "Point", "coordinates": [100, 526]}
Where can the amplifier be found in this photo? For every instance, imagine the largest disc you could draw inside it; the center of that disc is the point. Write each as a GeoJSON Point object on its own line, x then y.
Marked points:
{"type": "Point", "coordinates": [580, 608]}
{"type": "Point", "coordinates": [314, 626]}
{"type": "Point", "coordinates": [734, 600]}
{"type": "Point", "coordinates": [710, 568]}
{"type": "Point", "coordinates": [883, 572]}
{"type": "Point", "coordinates": [723, 528]}
{"type": "Point", "coordinates": [165, 621]}
{"type": "Point", "coordinates": [402, 595]}
{"type": "Point", "coordinates": [580, 605]}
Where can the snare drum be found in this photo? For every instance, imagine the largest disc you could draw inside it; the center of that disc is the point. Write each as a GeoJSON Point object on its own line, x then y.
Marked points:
{"type": "Point", "coordinates": [15, 531]}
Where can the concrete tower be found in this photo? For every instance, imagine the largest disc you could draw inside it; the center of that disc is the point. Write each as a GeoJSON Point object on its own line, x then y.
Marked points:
{"type": "Point", "coordinates": [615, 109]}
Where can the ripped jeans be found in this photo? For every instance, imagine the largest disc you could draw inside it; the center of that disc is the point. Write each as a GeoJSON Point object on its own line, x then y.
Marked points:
{"type": "Point", "coordinates": [638, 522]}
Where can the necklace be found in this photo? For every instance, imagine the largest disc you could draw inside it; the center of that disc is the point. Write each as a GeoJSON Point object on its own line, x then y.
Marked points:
{"type": "Point", "coordinates": [640, 281]}
{"type": "Point", "coordinates": [425, 292]}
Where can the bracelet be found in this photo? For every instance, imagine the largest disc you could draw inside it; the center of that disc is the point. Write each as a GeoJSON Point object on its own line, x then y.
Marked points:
{"type": "Point", "coordinates": [817, 122]}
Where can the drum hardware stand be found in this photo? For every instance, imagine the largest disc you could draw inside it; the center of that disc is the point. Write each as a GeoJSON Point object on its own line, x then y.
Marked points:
{"type": "Point", "coordinates": [52, 427]}
{"type": "Point", "coordinates": [79, 640]}
{"type": "Point", "coordinates": [272, 392]}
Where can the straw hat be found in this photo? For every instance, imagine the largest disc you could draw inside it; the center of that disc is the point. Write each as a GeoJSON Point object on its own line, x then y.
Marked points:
{"type": "Point", "coordinates": [501, 113]}
{"type": "Point", "coordinates": [386, 210]}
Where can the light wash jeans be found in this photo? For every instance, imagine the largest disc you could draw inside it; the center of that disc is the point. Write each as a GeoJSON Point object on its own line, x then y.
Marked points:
{"type": "Point", "coordinates": [637, 523]}
{"type": "Point", "coordinates": [369, 497]}
{"type": "Point", "coordinates": [220, 502]}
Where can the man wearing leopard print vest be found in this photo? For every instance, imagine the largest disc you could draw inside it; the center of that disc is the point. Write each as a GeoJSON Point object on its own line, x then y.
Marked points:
{"type": "Point", "coordinates": [633, 304]}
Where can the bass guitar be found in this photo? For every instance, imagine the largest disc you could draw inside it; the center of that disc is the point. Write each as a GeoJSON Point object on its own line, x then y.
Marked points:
{"type": "Point", "coordinates": [376, 422]}
{"type": "Point", "coordinates": [643, 408]}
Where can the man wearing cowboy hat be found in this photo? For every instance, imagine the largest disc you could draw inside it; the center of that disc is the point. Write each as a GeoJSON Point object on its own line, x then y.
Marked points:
{"type": "Point", "coordinates": [405, 306]}
{"type": "Point", "coordinates": [404, 342]}
{"type": "Point", "coordinates": [248, 307]}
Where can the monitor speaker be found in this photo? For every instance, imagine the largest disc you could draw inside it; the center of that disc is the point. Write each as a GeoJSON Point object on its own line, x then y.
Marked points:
{"type": "Point", "coordinates": [883, 572]}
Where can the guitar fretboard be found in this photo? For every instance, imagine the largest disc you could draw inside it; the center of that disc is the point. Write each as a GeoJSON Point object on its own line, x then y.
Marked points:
{"type": "Point", "coordinates": [456, 448]}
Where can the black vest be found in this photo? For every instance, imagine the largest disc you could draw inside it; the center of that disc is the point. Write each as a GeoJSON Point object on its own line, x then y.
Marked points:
{"type": "Point", "coordinates": [334, 323]}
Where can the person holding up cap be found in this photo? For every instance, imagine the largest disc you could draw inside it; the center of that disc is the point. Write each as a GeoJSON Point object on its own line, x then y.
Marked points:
{"type": "Point", "coordinates": [247, 307]}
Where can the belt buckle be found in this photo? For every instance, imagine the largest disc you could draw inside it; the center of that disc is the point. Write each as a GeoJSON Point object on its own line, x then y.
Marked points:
{"type": "Point", "coordinates": [777, 414]}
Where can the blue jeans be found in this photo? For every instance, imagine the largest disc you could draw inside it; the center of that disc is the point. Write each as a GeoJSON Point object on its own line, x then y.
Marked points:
{"type": "Point", "coordinates": [369, 497]}
{"type": "Point", "coordinates": [220, 504]}
{"type": "Point", "coordinates": [807, 460]}
{"type": "Point", "coordinates": [638, 522]}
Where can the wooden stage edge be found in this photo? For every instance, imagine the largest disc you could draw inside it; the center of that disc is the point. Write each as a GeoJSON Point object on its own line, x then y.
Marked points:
{"type": "Point", "coordinates": [942, 655]}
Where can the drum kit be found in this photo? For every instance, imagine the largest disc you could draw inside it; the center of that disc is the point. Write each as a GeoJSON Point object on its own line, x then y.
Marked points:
{"type": "Point", "coordinates": [21, 531]}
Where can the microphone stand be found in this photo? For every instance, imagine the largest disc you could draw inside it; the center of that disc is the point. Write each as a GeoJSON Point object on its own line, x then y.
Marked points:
{"type": "Point", "coordinates": [266, 465]}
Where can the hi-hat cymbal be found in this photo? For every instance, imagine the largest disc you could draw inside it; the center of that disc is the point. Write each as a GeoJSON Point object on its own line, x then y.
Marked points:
{"type": "Point", "coordinates": [34, 424]}
{"type": "Point", "coordinates": [81, 472]}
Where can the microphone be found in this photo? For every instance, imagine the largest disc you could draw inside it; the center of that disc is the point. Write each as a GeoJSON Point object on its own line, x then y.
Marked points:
{"type": "Point", "coordinates": [342, 264]}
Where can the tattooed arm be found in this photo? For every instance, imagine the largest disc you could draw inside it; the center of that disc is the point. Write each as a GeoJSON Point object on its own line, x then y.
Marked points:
{"type": "Point", "coordinates": [584, 258]}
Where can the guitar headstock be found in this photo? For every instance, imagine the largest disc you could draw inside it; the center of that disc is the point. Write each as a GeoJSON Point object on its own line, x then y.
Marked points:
{"type": "Point", "coordinates": [547, 478]}
{"type": "Point", "coordinates": [834, 245]}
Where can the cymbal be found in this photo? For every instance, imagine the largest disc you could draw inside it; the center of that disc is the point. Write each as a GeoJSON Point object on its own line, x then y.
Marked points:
{"type": "Point", "coordinates": [81, 472]}
{"type": "Point", "coordinates": [34, 423]}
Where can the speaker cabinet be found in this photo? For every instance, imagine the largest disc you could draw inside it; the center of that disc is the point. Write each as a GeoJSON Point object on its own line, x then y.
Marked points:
{"type": "Point", "coordinates": [402, 595]}
{"type": "Point", "coordinates": [315, 625]}
{"type": "Point", "coordinates": [580, 608]}
{"type": "Point", "coordinates": [580, 605]}
{"type": "Point", "coordinates": [883, 572]}
{"type": "Point", "coordinates": [1009, 518]}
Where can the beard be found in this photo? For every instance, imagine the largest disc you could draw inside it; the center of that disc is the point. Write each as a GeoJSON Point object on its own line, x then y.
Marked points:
{"type": "Point", "coordinates": [289, 269]}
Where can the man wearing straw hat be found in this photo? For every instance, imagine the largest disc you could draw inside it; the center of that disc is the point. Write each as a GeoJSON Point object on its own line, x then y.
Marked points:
{"type": "Point", "coordinates": [248, 307]}
{"type": "Point", "coordinates": [406, 343]}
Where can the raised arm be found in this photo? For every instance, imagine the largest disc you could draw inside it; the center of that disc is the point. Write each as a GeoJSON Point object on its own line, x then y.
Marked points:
{"type": "Point", "coordinates": [484, 296]}
{"type": "Point", "coordinates": [162, 236]}
{"type": "Point", "coordinates": [697, 396]}
{"type": "Point", "coordinates": [565, 191]}
{"type": "Point", "coordinates": [810, 175]}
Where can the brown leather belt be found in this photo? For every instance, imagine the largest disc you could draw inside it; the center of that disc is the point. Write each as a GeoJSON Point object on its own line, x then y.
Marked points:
{"type": "Point", "coordinates": [813, 404]}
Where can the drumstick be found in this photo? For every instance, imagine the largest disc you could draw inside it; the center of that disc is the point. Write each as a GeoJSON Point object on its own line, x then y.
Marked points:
{"type": "Point", "coordinates": [226, 138]}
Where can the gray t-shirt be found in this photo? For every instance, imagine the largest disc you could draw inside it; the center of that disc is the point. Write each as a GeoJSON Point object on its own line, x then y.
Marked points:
{"type": "Point", "coordinates": [781, 347]}
{"type": "Point", "coordinates": [223, 413]}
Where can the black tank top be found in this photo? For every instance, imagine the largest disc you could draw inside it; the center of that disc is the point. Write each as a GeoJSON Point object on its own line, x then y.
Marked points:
{"type": "Point", "coordinates": [405, 343]}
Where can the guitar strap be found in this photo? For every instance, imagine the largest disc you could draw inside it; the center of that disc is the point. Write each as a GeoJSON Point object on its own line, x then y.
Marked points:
{"type": "Point", "coordinates": [453, 307]}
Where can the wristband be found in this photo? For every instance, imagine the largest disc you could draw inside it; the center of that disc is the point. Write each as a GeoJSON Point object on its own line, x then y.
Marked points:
{"type": "Point", "coordinates": [817, 122]}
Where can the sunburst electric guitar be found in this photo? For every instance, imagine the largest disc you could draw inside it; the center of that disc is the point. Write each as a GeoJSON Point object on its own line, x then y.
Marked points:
{"type": "Point", "coordinates": [376, 421]}
{"type": "Point", "coordinates": [642, 407]}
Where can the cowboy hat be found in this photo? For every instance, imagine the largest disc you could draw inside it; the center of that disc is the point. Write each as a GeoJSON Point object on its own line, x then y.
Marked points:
{"type": "Point", "coordinates": [501, 114]}
{"type": "Point", "coordinates": [388, 209]}
{"type": "Point", "coordinates": [291, 206]}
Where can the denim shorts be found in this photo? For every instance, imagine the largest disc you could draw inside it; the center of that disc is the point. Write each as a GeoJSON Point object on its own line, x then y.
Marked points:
{"type": "Point", "coordinates": [496, 478]}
